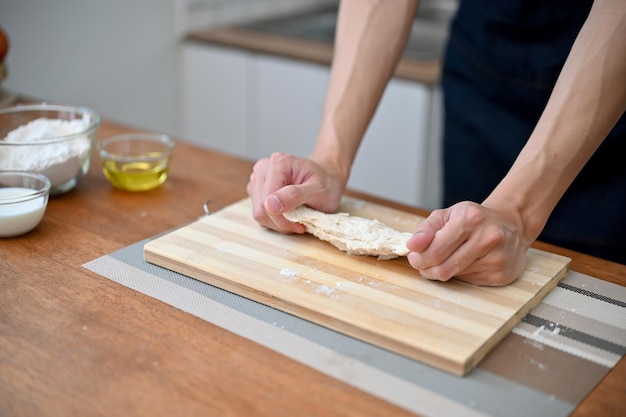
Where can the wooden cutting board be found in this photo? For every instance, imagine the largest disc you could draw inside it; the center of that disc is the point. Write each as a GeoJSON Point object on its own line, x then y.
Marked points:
{"type": "Point", "coordinates": [450, 325]}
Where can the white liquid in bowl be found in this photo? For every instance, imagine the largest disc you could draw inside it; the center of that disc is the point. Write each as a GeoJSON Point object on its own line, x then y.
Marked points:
{"type": "Point", "coordinates": [20, 217]}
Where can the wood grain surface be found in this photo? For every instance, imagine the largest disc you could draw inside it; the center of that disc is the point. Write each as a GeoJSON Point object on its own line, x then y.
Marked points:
{"type": "Point", "coordinates": [450, 325]}
{"type": "Point", "coordinates": [73, 343]}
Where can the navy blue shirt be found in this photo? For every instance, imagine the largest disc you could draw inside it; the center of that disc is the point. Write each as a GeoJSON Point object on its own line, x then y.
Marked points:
{"type": "Point", "coordinates": [501, 64]}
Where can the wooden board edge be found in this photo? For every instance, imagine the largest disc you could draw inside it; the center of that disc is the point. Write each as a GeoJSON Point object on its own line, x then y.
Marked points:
{"type": "Point", "coordinates": [510, 324]}
{"type": "Point", "coordinates": [459, 368]}
{"type": "Point", "coordinates": [424, 357]}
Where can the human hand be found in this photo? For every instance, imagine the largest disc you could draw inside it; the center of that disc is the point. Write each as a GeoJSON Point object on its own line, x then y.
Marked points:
{"type": "Point", "coordinates": [470, 242]}
{"type": "Point", "coordinates": [283, 182]}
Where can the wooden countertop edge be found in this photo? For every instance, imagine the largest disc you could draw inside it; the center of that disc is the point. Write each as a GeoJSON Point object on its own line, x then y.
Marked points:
{"type": "Point", "coordinates": [427, 72]}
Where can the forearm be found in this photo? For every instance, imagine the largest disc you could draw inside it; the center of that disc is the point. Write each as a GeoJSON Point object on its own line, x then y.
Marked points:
{"type": "Point", "coordinates": [588, 99]}
{"type": "Point", "coordinates": [370, 38]}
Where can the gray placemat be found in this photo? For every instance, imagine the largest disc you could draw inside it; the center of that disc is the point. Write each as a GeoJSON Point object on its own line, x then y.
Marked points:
{"type": "Point", "coordinates": [545, 367]}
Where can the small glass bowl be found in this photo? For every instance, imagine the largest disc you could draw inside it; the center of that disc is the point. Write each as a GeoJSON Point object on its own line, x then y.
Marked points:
{"type": "Point", "coordinates": [28, 142]}
{"type": "Point", "coordinates": [136, 161]}
{"type": "Point", "coordinates": [23, 201]}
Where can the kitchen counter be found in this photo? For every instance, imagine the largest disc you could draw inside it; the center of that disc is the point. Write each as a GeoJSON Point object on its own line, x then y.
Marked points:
{"type": "Point", "coordinates": [309, 37]}
{"type": "Point", "coordinates": [75, 343]}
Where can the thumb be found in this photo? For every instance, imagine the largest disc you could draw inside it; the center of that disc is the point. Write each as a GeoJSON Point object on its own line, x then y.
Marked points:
{"type": "Point", "coordinates": [273, 205]}
{"type": "Point", "coordinates": [425, 232]}
{"type": "Point", "coordinates": [284, 200]}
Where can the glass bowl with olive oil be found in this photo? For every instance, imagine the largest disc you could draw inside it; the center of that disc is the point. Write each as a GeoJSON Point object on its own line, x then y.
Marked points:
{"type": "Point", "coordinates": [136, 161]}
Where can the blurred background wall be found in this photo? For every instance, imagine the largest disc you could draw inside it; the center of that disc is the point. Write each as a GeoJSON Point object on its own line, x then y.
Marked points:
{"type": "Point", "coordinates": [120, 57]}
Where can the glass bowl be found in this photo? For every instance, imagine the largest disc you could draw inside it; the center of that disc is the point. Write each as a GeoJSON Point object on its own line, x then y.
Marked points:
{"type": "Point", "coordinates": [23, 201]}
{"type": "Point", "coordinates": [53, 140]}
{"type": "Point", "coordinates": [136, 161]}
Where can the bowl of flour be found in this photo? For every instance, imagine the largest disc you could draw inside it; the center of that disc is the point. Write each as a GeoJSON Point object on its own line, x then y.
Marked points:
{"type": "Point", "coordinates": [54, 140]}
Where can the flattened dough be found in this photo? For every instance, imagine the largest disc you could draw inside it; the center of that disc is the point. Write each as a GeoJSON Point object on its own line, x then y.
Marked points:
{"type": "Point", "coordinates": [352, 234]}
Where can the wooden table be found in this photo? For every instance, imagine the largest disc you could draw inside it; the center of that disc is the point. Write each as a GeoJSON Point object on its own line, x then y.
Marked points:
{"type": "Point", "coordinates": [73, 343]}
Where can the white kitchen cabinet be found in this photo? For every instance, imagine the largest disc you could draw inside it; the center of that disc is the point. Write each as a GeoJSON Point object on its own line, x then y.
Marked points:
{"type": "Point", "coordinates": [251, 105]}
{"type": "Point", "coordinates": [216, 89]}
{"type": "Point", "coordinates": [392, 159]}
{"type": "Point", "coordinates": [290, 96]}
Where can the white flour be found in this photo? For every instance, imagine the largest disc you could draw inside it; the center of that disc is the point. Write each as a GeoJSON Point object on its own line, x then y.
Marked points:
{"type": "Point", "coordinates": [59, 161]}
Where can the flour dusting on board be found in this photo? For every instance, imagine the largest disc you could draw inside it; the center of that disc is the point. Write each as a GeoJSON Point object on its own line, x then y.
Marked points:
{"type": "Point", "coordinates": [325, 289]}
{"type": "Point", "coordinates": [286, 272]}
{"type": "Point", "coordinates": [372, 301]}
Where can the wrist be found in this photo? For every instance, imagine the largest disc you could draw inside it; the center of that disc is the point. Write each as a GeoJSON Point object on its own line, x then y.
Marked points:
{"type": "Point", "coordinates": [526, 196]}
{"type": "Point", "coordinates": [527, 226]}
{"type": "Point", "coordinates": [333, 155]}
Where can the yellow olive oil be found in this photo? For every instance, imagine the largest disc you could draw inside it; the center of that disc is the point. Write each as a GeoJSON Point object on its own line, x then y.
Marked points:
{"type": "Point", "coordinates": [136, 176]}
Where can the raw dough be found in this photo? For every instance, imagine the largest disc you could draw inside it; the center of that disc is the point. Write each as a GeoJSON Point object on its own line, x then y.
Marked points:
{"type": "Point", "coordinates": [353, 234]}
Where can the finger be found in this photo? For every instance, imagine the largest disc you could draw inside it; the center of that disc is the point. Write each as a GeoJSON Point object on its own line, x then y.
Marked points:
{"type": "Point", "coordinates": [286, 199]}
{"type": "Point", "coordinates": [457, 249]}
{"type": "Point", "coordinates": [274, 209]}
{"type": "Point", "coordinates": [267, 175]}
{"type": "Point", "coordinates": [425, 232]}
{"type": "Point", "coordinates": [278, 174]}
{"type": "Point", "coordinates": [482, 260]}
{"type": "Point", "coordinates": [497, 268]}
{"type": "Point", "coordinates": [444, 243]}
{"type": "Point", "coordinates": [256, 181]}
{"type": "Point", "coordinates": [459, 261]}
{"type": "Point", "coordinates": [255, 188]}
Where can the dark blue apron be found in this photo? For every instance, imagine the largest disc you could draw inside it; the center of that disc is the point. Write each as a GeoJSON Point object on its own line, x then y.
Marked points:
{"type": "Point", "coordinates": [502, 61]}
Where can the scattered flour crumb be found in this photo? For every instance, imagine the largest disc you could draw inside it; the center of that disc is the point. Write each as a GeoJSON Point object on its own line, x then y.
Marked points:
{"type": "Point", "coordinates": [539, 330]}
{"type": "Point", "coordinates": [343, 285]}
{"type": "Point", "coordinates": [286, 272]}
{"type": "Point", "coordinates": [542, 366]}
{"type": "Point", "coordinates": [534, 344]}
{"type": "Point", "coordinates": [325, 289]}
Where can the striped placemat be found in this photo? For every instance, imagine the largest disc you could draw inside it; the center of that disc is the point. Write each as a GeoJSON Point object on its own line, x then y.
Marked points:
{"type": "Point", "coordinates": [545, 367]}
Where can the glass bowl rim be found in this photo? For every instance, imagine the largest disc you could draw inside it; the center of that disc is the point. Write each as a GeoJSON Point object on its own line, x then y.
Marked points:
{"type": "Point", "coordinates": [91, 127]}
{"type": "Point", "coordinates": [36, 192]}
{"type": "Point", "coordinates": [148, 137]}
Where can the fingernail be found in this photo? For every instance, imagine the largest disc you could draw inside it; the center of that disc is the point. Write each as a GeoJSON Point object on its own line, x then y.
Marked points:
{"type": "Point", "coordinates": [278, 206]}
